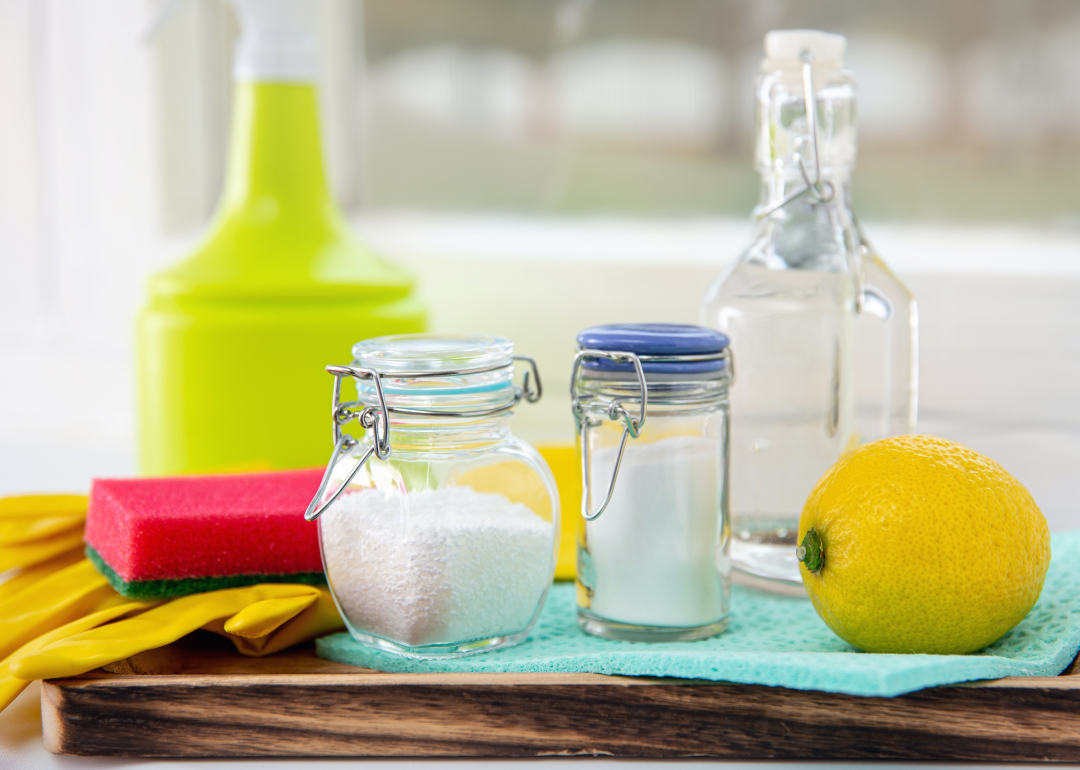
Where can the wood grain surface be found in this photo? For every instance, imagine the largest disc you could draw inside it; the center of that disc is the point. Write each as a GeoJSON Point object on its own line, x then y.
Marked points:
{"type": "Point", "coordinates": [202, 700]}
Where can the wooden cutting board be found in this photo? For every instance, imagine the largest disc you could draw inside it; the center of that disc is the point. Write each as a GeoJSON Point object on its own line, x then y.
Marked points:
{"type": "Point", "coordinates": [198, 698]}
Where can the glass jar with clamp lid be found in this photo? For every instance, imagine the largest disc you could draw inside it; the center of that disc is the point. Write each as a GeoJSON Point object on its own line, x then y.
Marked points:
{"type": "Point", "coordinates": [438, 527]}
{"type": "Point", "coordinates": [653, 536]}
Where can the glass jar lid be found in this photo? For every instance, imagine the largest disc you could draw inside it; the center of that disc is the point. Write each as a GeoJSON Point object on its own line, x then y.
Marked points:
{"type": "Point", "coordinates": [421, 388]}
{"type": "Point", "coordinates": [673, 349]}
{"type": "Point", "coordinates": [432, 352]}
{"type": "Point", "coordinates": [438, 365]}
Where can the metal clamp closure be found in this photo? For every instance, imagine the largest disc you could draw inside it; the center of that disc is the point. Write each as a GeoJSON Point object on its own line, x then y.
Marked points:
{"type": "Point", "coordinates": [376, 419]}
{"type": "Point", "coordinates": [615, 412]}
{"type": "Point", "coordinates": [817, 188]}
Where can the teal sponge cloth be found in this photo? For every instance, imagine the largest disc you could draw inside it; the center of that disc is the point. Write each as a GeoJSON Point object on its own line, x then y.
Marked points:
{"type": "Point", "coordinates": [772, 640]}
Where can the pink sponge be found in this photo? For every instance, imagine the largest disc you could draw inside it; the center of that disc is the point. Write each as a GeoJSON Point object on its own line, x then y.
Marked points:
{"type": "Point", "coordinates": [160, 537]}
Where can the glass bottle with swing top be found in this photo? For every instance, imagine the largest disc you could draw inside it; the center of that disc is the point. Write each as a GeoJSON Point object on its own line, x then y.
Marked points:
{"type": "Point", "coordinates": [826, 334]}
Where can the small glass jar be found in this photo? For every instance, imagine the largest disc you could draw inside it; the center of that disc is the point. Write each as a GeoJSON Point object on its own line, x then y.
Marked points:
{"type": "Point", "coordinates": [439, 527]}
{"type": "Point", "coordinates": [651, 406]}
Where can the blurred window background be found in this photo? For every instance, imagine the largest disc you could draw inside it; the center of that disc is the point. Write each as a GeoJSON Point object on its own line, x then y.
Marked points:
{"type": "Point", "coordinates": [567, 161]}
{"type": "Point", "coordinates": [968, 109]}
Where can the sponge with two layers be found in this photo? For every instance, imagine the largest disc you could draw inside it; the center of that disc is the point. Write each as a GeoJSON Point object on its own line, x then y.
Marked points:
{"type": "Point", "coordinates": [164, 537]}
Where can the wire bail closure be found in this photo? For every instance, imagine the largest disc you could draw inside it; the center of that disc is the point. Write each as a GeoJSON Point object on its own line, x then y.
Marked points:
{"type": "Point", "coordinates": [616, 411]}
{"type": "Point", "coordinates": [817, 188]}
{"type": "Point", "coordinates": [376, 419]}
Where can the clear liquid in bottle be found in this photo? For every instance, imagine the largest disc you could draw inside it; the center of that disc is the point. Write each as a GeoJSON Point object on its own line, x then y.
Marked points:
{"type": "Point", "coordinates": [793, 304]}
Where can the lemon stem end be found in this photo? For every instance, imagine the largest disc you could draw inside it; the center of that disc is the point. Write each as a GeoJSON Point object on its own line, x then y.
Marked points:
{"type": "Point", "coordinates": [812, 552]}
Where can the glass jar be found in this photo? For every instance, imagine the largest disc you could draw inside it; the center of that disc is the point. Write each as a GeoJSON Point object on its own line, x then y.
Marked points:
{"type": "Point", "coordinates": [439, 527]}
{"type": "Point", "coordinates": [653, 535]}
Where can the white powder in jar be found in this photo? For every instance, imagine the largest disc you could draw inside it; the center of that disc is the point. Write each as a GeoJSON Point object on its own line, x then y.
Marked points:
{"type": "Point", "coordinates": [436, 566]}
{"type": "Point", "coordinates": [654, 551]}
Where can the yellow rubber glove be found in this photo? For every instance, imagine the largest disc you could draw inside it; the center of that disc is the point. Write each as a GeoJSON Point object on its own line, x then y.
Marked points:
{"type": "Point", "coordinates": [29, 530]}
{"type": "Point", "coordinates": [267, 627]}
{"type": "Point", "coordinates": [57, 597]}
{"type": "Point", "coordinates": [34, 506]}
{"type": "Point", "coordinates": [27, 576]}
{"type": "Point", "coordinates": [265, 617]}
{"type": "Point", "coordinates": [55, 600]}
{"type": "Point", "coordinates": [11, 686]}
{"type": "Point", "coordinates": [29, 554]}
{"type": "Point", "coordinates": [168, 622]}
{"type": "Point", "coordinates": [38, 528]}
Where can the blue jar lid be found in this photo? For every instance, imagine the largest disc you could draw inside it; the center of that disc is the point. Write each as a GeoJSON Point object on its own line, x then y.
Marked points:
{"type": "Point", "coordinates": [666, 340]}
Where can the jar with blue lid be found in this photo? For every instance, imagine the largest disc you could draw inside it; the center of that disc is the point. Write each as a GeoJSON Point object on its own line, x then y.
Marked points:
{"type": "Point", "coordinates": [650, 404]}
{"type": "Point", "coordinates": [438, 526]}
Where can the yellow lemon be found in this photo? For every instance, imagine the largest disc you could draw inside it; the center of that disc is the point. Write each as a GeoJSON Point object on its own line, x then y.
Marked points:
{"type": "Point", "coordinates": [917, 544]}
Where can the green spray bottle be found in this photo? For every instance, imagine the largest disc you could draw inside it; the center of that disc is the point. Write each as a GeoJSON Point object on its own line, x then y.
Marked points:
{"type": "Point", "coordinates": [233, 341]}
